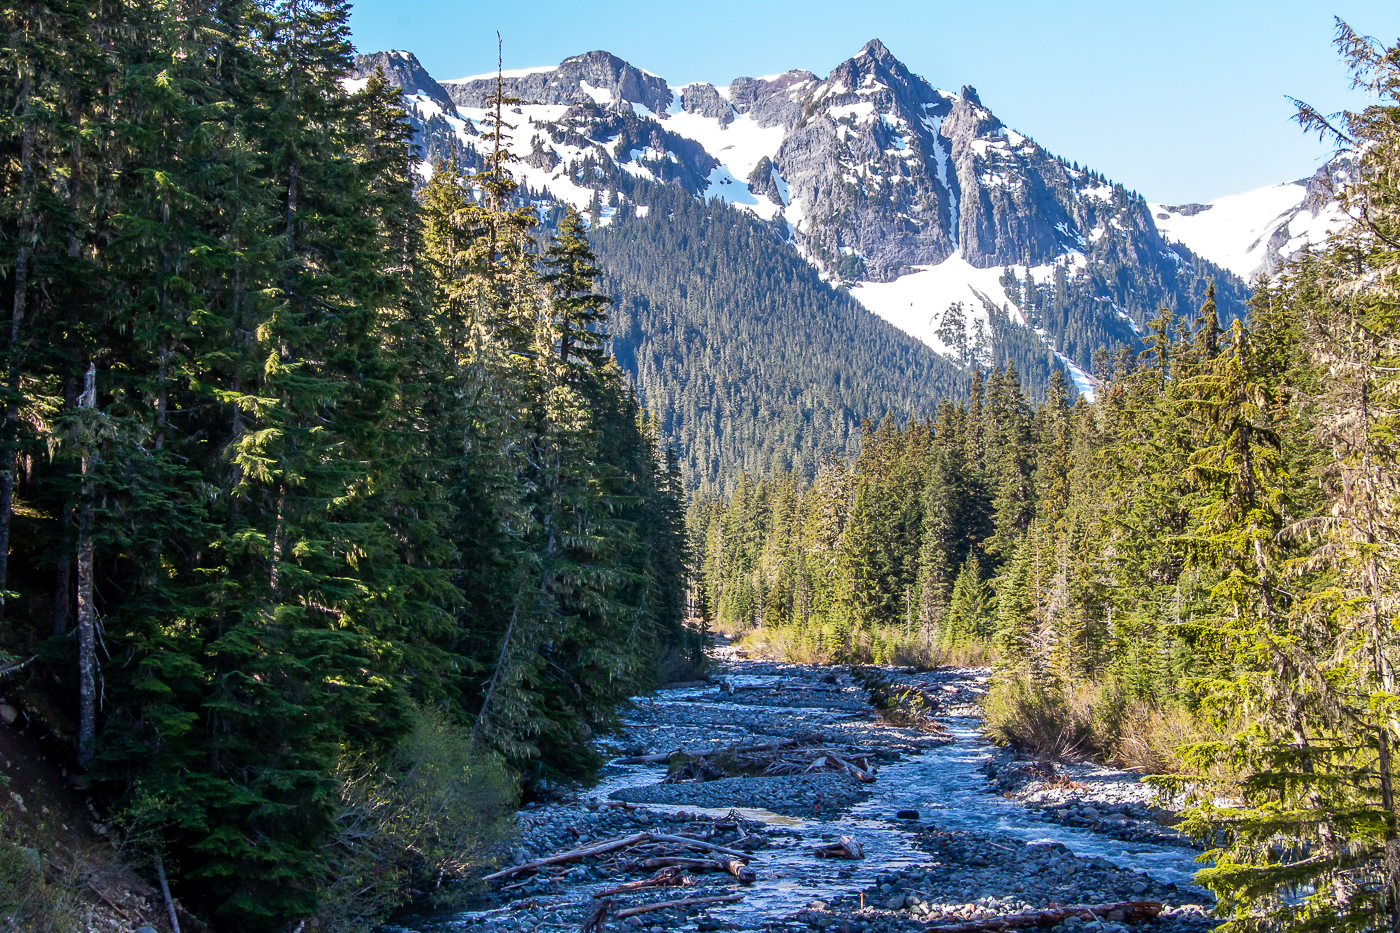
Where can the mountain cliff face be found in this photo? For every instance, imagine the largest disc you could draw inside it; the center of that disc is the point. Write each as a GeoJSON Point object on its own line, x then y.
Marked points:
{"type": "Point", "coordinates": [871, 162]}
{"type": "Point", "coordinates": [918, 202]}
{"type": "Point", "coordinates": [871, 174]}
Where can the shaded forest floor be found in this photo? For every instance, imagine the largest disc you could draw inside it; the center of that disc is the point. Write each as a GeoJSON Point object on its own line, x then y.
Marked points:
{"type": "Point", "coordinates": [59, 870]}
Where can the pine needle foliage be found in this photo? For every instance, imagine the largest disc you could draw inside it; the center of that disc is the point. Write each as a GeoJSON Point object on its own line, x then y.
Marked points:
{"type": "Point", "coordinates": [1196, 571]}
{"type": "Point", "coordinates": [312, 489]}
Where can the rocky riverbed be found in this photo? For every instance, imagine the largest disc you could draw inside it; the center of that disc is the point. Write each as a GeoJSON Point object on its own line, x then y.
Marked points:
{"type": "Point", "coordinates": [950, 830]}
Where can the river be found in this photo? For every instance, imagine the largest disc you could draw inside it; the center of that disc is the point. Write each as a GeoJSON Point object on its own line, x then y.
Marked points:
{"type": "Point", "coordinates": [940, 775]}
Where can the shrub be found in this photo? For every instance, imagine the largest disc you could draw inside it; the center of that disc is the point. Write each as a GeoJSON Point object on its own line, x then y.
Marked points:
{"type": "Point", "coordinates": [29, 901]}
{"type": "Point", "coordinates": [1098, 721]}
{"type": "Point", "coordinates": [431, 812]}
{"type": "Point", "coordinates": [1041, 721]}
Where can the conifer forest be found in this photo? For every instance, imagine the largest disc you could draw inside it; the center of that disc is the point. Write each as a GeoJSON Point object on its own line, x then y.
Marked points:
{"type": "Point", "coordinates": [1201, 563]}
{"type": "Point", "coordinates": [315, 478]}
{"type": "Point", "coordinates": [338, 519]}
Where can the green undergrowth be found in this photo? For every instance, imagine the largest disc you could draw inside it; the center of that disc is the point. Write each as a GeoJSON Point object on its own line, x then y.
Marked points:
{"type": "Point", "coordinates": [32, 899]}
{"type": "Point", "coordinates": [421, 821]}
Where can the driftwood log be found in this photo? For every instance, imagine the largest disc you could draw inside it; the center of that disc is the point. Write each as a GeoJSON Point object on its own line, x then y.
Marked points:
{"type": "Point", "coordinates": [614, 845]}
{"type": "Point", "coordinates": [846, 847]}
{"type": "Point", "coordinates": [1131, 911]}
{"type": "Point", "coordinates": [765, 747]}
{"type": "Point", "coordinates": [734, 866]}
{"type": "Point", "coordinates": [697, 843]}
{"type": "Point", "coordinates": [865, 777]}
{"type": "Point", "coordinates": [601, 848]}
{"type": "Point", "coordinates": [670, 876]}
{"type": "Point", "coordinates": [687, 902]}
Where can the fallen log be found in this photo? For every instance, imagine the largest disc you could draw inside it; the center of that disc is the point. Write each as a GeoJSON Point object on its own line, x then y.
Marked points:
{"type": "Point", "coordinates": [865, 777]}
{"type": "Point", "coordinates": [647, 759]}
{"type": "Point", "coordinates": [699, 843]}
{"type": "Point", "coordinates": [741, 872]}
{"type": "Point", "coordinates": [612, 846]}
{"type": "Point", "coordinates": [687, 902]}
{"type": "Point", "coordinates": [1128, 911]}
{"type": "Point", "coordinates": [670, 876]}
{"type": "Point", "coordinates": [571, 855]}
{"type": "Point", "coordinates": [765, 747]}
{"type": "Point", "coordinates": [845, 848]}
{"type": "Point", "coordinates": [738, 869]}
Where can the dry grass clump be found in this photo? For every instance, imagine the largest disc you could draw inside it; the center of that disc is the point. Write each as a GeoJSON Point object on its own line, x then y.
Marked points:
{"type": "Point", "coordinates": [785, 644]}
{"type": "Point", "coordinates": [1044, 722]}
{"type": "Point", "coordinates": [1093, 721]}
{"type": "Point", "coordinates": [883, 646]}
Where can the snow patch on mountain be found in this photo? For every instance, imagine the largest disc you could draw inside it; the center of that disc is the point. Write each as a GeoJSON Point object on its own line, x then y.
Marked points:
{"type": "Point", "coordinates": [508, 73]}
{"type": "Point", "coordinates": [1082, 381]}
{"type": "Point", "coordinates": [725, 187]}
{"type": "Point", "coordinates": [916, 303]}
{"type": "Point", "coordinates": [1235, 231]}
{"type": "Point", "coordinates": [526, 119]}
{"type": "Point", "coordinates": [739, 147]}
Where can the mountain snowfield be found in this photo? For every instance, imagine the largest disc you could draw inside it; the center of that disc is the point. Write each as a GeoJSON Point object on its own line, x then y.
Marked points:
{"type": "Point", "coordinates": [1252, 233]}
{"type": "Point", "coordinates": [911, 197]}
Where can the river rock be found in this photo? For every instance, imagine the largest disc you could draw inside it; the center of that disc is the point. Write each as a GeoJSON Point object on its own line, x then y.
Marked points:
{"type": "Point", "coordinates": [963, 874]}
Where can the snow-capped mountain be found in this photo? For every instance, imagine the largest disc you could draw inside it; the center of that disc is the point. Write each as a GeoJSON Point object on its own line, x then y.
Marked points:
{"type": "Point", "coordinates": [1251, 234]}
{"type": "Point", "coordinates": [914, 198]}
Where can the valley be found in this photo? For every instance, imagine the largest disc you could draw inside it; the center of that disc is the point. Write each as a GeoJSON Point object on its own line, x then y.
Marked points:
{"type": "Point", "coordinates": [965, 243]}
{"type": "Point", "coordinates": [564, 499]}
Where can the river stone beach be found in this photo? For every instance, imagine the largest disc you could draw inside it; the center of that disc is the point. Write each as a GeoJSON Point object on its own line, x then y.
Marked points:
{"type": "Point", "coordinates": [950, 830]}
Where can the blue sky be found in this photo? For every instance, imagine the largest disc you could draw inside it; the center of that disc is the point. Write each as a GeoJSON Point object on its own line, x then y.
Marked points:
{"type": "Point", "coordinates": [1182, 101]}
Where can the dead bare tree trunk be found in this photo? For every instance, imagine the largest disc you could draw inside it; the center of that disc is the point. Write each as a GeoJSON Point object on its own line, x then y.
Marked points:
{"type": "Point", "coordinates": [165, 894]}
{"type": "Point", "coordinates": [87, 616]}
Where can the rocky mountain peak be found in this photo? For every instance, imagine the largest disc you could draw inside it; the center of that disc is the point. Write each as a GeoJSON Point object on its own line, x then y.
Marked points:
{"type": "Point", "coordinates": [403, 71]}
{"type": "Point", "coordinates": [875, 49]}
{"type": "Point", "coordinates": [773, 100]}
{"type": "Point", "coordinates": [875, 67]}
{"type": "Point", "coordinates": [871, 173]}
{"type": "Point", "coordinates": [705, 100]}
{"type": "Point", "coordinates": [598, 76]}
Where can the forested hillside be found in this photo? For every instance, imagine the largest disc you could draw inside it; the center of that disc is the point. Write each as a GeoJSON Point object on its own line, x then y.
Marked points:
{"type": "Point", "coordinates": [887, 556]}
{"type": "Point", "coordinates": [1195, 575]}
{"type": "Point", "coordinates": [749, 359]}
{"type": "Point", "coordinates": [871, 177]}
{"type": "Point", "coordinates": [325, 516]}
